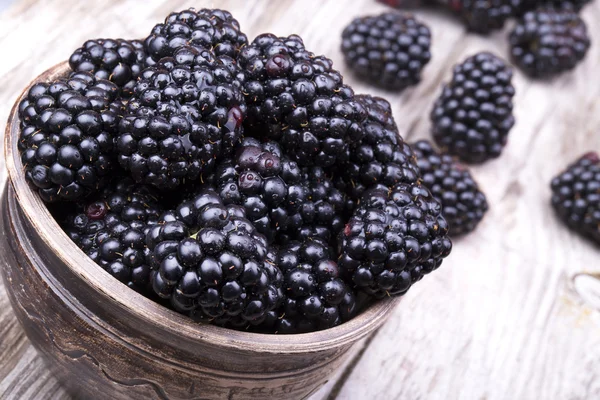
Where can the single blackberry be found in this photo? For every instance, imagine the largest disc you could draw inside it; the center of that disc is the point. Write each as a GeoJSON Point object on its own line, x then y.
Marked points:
{"type": "Point", "coordinates": [66, 138]}
{"type": "Point", "coordinates": [473, 116]}
{"type": "Point", "coordinates": [484, 16]}
{"type": "Point", "coordinates": [394, 238]}
{"type": "Point", "coordinates": [380, 158]}
{"type": "Point", "coordinates": [389, 50]}
{"type": "Point", "coordinates": [186, 113]}
{"type": "Point", "coordinates": [299, 100]}
{"type": "Point", "coordinates": [548, 42]}
{"type": "Point", "coordinates": [314, 295]}
{"type": "Point", "coordinates": [117, 60]}
{"type": "Point", "coordinates": [213, 266]}
{"type": "Point", "coordinates": [576, 196]}
{"type": "Point", "coordinates": [451, 183]}
{"type": "Point", "coordinates": [207, 28]}
{"type": "Point", "coordinates": [111, 229]}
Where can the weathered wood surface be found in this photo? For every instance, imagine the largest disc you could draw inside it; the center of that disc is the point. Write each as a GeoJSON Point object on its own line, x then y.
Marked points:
{"type": "Point", "coordinates": [512, 314]}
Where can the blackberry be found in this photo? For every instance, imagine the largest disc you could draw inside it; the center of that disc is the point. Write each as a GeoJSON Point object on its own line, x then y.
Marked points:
{"type": "Point", "coordinates": [299, 100]}
{"type": "Point", "coordinates": [389, 50]}
{"type": "Point", "coordinates": [548, 42]}
{"type": "Point", "coordinates": [111, 229]}
{"type": "Point", "coordinates": [576, 196]}
{"type": "Point", "coordinates": [207, 28]}
{"type": "Point", "coordinates": [117, 60]}
{"type": "Point", "coordinates": [451, 183]}
{"type": "Point", "coordinates": [483, 16]}
{"type": "Point", "coordinates": [66, 138]}
{"type": "Point", "coordinates": [473, 116]}
{"type": "Point", "coordinates": [212, 266]}
{"type": "Point", "coordinates": [394, 238]}
{"type": "Point", "coordinates": [186, 113]}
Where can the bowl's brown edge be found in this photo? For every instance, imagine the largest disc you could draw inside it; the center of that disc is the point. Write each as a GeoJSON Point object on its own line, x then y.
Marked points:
{"type": "Point", "coordinates": [50, 232]}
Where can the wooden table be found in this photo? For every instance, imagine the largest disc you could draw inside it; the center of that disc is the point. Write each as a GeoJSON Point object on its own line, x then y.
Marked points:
{"type": "Point", "coordinates": [512, 314]}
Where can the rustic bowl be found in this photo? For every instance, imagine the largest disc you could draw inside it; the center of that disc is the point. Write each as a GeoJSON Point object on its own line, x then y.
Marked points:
{"type": "Point", "coordinates": [103, 340]}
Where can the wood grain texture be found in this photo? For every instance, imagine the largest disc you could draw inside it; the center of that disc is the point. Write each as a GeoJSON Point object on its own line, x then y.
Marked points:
{"type": "Point", "coordinates": [503, 318]}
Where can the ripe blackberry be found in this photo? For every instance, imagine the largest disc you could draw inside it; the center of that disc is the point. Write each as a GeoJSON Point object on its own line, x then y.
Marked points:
{"type": "Point", "coordinates": [66, 139]}
{"type": "Point", "coordinates": [186, 112]}
{"type": "Point", "coordinates": [473, 115]}
{"type": "Point", "coordinates": [299, 100]}
{"type": "Point", "coordinates": [213, 265]}
{"type": "Point", "coordinates": [576, 196]}
{"type": "Point", "coordinates": [117, 60]}
{"type": "Point", "coordinates": [207, 28]}
{"type": "Point", "coordinates": [548, 42]}
{"type": "Point", "coordinates": [111, 229]}
{"type": "Point", "coordinates": [389, 50]}
{"type": "Point", "coordinates": [484, 16]}
{"type": "Point", "coordinates": [394, 238]}
{"type": "Point", "coordinates": [451, 183]}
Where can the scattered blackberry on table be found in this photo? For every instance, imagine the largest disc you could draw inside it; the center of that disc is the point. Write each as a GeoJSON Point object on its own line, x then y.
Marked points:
{"type": "Point", "coordinates": [186, 113]}
{"type": "Point", "coordinates": [474, 114]}
{"type": "Point", "coordinates": [389, 50]}
{"type": "Point", "coordinates": [299, 100]}
{"type": "Point", "coordinates": [111, 229]}
{"type": "Point", "coordinates": [484, 16]}
{"type": "Point", "coordinates": [451, 183]}
{"type": "Point", "coordinates": [212, 29]}
{"type": "Point", "coordinates": [117, 60]}
{"type": "Point", "coordinates": [66, 138]}
{"type": "Point", "coordinates": [394, 238]}
{"type": "Point", "coordinates": [576, 196]}
{"type": "Point", "coordinates": [548, 42]}
{"type": "Point", "coordinates": [213, 266]}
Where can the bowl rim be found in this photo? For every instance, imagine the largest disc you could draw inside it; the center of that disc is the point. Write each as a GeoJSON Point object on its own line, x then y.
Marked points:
{"type": "Point", "coordinates": [85, 269]}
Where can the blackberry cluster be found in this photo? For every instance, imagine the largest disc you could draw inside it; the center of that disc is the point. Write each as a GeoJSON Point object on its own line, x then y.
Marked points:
{"type": "Point", "coordinates": [213, 268]}
{"type": "Point", "coordinates": [484, 16]}
{"type": "Point", "coordinates": [451, 183]}
{"type": "Point", "coordinates": [212, 29]}
{"type": "Point", "coordinates": [548, 42]}
{"type": "Point", "coordinates": [111, 229]}
{"type": "Point", "coordinates": [576, 196]}
{"type": "Point", "coordinates": [66, 139]}
{"type": "Point", "coordinates": [473, 116]}
{"type": "Point", "coordinates": [389, 50]}
{"type": "Point", "coordinates": [394, 238]}
{"type": "Point", "coordinates": [299, 100]}
{"type": "Point", "coordinates": [186, 112]}
{"type": "Point", "coordinates": [119, 61]}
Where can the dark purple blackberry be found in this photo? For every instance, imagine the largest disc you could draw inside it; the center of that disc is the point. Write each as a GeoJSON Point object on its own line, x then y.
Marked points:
{"type": "Point", "coordinates": [394, 238]}
{"type": "Point", "coordinates": [451, 183]}
{"type": "Point", "coordinates": [111, 229]}
{"type": "Point", "coordinates": [389, 50]}
{"type": "Point", "coordinates": [213, 266]}
{"type": "Point", "coordinates": [473, 116]}
{"type": "Point", "coordinates": [117, 60]}
{"type": "Point", "coordinates": [381, 157]}
{"type": "Point", "coordinates": [484, 16]}
{"type": "Point", "coordinates": [67, 132]}
{"type": "Point", "coordinates": [548, 42]}
{"type": "Point", "coordinates": [576, 196]}
{"type": "Point", "coordinates": [185, 114]}
{"type": "Point", "coordinates": [299, 100]}
{"type": "Point", "coordinates": [212, 29]}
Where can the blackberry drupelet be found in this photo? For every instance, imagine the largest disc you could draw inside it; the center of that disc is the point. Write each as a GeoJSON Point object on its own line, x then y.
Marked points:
{"type": "Point", "coordinates": [185, 114]}
{"type": "Point", "coordinates": [473, 116]}
{"type": "Point", "coordinates": [213, 266]}
{"type": "Point", "coordinates": [67, 132]}
{"type": "Point", "coordinates": [207, 28]}
{"type": "Point", "coordinates": [576, 196]}
{"type": "Point", "coordinates": [548, 42]}
{"type": "Point", "coordinates": [451, 183]}
{"type": "Point", "coordinates": [484, 16]}
{"type": "Point", "coordinates": [394, 238]}
{"type": "Point", "coordinates": [117, 60]}
{"type": "Point", "coordinates": [389, 50]}
{"type": "Point", "coordinates": [111, 229]}
{"type": "Point", "coordinates": [299, 100]}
